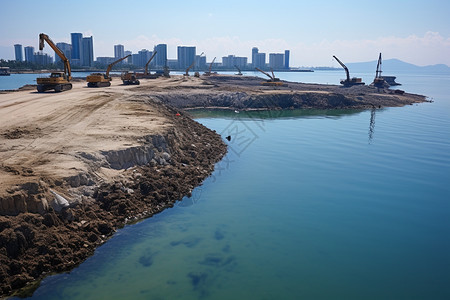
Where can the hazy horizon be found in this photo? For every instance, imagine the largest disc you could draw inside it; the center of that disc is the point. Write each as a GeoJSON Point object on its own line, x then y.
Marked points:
{"type": "Point", "coordinates": [411, 31]}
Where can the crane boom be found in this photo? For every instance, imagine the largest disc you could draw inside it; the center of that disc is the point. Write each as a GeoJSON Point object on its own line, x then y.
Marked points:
{"type": "Point", "coordinates": [267, 74]}
{"type": "Point", "coordinates": [43, 37]}
{"type": "Point", "coordinates": [112, 64]}
{"type": "Point", "coordinates": [146, 65]}
{"type": "Point", "coordinates": [239, 70]}
{"type": "Point", "coordinates": [210, 66]}
{"type": "Point", "coordinates": [378, 72]}
{"type": "Point", "coordinates": [344, 66]}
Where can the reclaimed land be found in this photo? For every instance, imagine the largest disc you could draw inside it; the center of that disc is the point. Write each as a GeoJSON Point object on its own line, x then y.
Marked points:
{"type": "Point", "coordinates": [76, 166]}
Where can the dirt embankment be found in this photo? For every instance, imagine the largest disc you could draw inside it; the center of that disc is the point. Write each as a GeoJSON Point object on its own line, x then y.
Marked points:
{"type": "Point", "coordinates": [83, 163]}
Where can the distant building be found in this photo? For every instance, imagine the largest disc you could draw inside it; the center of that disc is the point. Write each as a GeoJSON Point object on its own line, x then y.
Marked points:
{"type": "Point", "coordinates": [87, 56]}
{"type": "Point", "coordinates": [76, 48]}
{"type": "Point", "coordinates": [29, 54]}
{"type": "Point", "coordinates": [260, 60]}
{"type": "Point", "coordinates": [172, 63]}
{"type": "Point", "coordinates": [200, 62]}
{"type": "Point", "coordinates": [185, 56]}
{"type": "Point", "coordinates": [18, 51]}
{"type": "Point", "coordinates": [276, 60]}
{"type": "Point", "coordinates": [254, 53]}
{"type": "Point", "coordinates": [230, 61]}
{"type": "Point", "coordinates": [66, 49]}
{"type": "Point", "coordinates": [161, 55]}
{"type": "Point", "coordinates": [119, 51]}
{"type": "Point", "coordinates": [104, 60]}
{"type": "Point", "coordinates": [135, 59]}
{"type": "Point", "coordinates": [43, 59]}
{"type": "Point", "coordinates": [286, 58]}
{"type": "Point", "coordinates": [129, 59]}
{"type": "Point", "coordinates": [143, 57]}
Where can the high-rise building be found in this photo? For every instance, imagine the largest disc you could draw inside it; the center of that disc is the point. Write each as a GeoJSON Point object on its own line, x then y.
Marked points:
{"type": "Point", "coordinates": [18, 51]}
{"type": "Point", "coordinates": [29, 54]}
{"type": "Point", "coordinates": [276, 60]}
{"type": "Point", "coordinates": [66, 49]}
{"type": "Point", "coordinates": [129, 59]}
{"type": "Point", "coordinates": [230, 61]}
{"type": "Point", "coordinates": [41, 58]}
{"type": "Point", "coordinates": [254, 53]}
{"type": "Point", "coordinates": [200, 62]}
{"type": "Point", "coordinates": [260, 60]}
{"type": "Point", "coordinates": [144, 56]}
{"type": "Point", "coordinates": [76, 48]}
{"type": "Point", "coordinates": [185, 56]}
{"type": "Point", "coordinates": [286, 58]}
{"type": "Point", "coordinates": [87, 56]}
{"type": "Point", "coordinates": [119, 51]}
{"type": "Point", "coordinates": [161, 55]}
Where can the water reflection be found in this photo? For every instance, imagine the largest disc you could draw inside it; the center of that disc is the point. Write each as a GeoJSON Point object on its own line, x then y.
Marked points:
{"type": "Point", "coordinates": [372, 124]}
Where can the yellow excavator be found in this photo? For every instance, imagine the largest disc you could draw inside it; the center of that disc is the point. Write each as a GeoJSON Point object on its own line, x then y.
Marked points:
{"type": "Point", "coordinates": [273, 81]}
{"type": "Point", "coordinates": [58, 81]}
{"type": "Point", "coordinates": [146, 73]}
{"type": "Point", "coordinates": [348, 81]}
{"type": "Point", "coordinates": [102, 80]}
{"type": "Point", "coordinates": [210, 68]}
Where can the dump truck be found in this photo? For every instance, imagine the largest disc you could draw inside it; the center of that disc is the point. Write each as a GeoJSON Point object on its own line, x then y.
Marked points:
{"type": "Point", "coordinates": [58, 81]}
{"type": "Point", "coordinates": [102, 80]}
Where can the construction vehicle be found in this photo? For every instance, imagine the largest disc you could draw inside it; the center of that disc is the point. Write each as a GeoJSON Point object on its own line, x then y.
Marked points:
{"type": "Point", "coordinates": [379, 81]}
{"type": "Point", "coordinates": [146, 73]}
{"type": "Point", "coordinates": [102, 80]}
{"type": "Point", "coordinates": [210, 67]}
{"type": "Point", "coordinates": [348, 81]}
{"type": "Point", "coordinates": [273, 81]}
{"type": "Point", "coordinates": [58, 81]}
{"type": "Point", "coordinates": [129, 77]}
{"type": "Point", "coordinates": [383, 81]}
{"type": "Point", "coordinates": [187, 70]}
{"type": "Point", "coordinates": [239, 70]}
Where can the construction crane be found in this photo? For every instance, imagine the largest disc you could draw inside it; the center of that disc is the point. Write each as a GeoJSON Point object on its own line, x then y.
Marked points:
{"type": "Point", "coordinates": [187, 70]}
{"type": "Point", "coordinates": [102, 80]}
{"type": "Point", "coordinates": [58, 81]}
{"type": "Point", "coordinates": [379, 80]}
{"type": "Point", "coordinates": [239, 70]}
{"type": "Point", "coordinates": [210, 67]}
{"type": "Point", "coordinates": [273, 81]}
{"type": "Point", "coordinates": [348, 81]}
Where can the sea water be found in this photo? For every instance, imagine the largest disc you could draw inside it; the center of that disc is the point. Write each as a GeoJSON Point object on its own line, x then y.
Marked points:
{"type": "Point", "coordinates": [351, 204]}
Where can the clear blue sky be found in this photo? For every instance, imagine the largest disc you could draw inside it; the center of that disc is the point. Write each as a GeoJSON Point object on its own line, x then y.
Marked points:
{"type": "Point", "coordinates": [414, 31]}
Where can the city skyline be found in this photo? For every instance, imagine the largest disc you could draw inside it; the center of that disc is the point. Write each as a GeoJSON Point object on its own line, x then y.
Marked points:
{"type": "Point", "coordinates": [412, 31]}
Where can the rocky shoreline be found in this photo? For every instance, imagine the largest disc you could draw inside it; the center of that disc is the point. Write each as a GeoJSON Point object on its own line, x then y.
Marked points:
{"type": "Point", "coordinates": [154, 155]}
{"type": "Point", "coordinates": [34, 245]}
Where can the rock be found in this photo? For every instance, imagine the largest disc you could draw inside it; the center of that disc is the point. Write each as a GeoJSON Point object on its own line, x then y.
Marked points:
{"type": "Point", "coordinates": [59, 202]}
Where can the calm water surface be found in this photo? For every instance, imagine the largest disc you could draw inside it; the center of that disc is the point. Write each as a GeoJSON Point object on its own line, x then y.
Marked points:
{"type": "Point", "coordinates": [306, 205]}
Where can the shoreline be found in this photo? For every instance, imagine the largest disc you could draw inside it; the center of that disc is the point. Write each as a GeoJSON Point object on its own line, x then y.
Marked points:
{"type": "Point", "coordinates": [137, 154]}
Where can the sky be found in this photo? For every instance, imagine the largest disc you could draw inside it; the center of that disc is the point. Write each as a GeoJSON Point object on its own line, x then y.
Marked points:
{"type": "Point", "coordinates": [416, 32]}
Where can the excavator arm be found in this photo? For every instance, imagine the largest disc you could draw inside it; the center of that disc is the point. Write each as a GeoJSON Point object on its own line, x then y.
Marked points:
{"type": "Point", "coordinates": [187, 70]}
{"type": "Point", "coordinates": [146, 65]}
{"type": "Point", "coordinates": [210, 66]}
{"type": "Point", "coordinates": [112, 64]}
{"type": "Point", "coordinates": [345, 68]}
{"type": "Point", "coordinates": [267, 74]}
{"type": "Point", "coordinates": [44, 38]}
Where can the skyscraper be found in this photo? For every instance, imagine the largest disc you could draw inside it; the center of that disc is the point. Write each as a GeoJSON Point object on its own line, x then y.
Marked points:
{"type": "Point", "coordinates": [87, 56]}
{"type": "Point", "coordinates": [76, 48]}
{"type": "Point", "coordinates": [186, 56]}
{"type": "Point", "coordinates": [18, 51]}
{"type": "Point", "coordinates": [119, 51]}
{"type": "Point", "coordinates": [254, 53]}
{"type": "Point", "coordinates": [161, 55]}
{"type": "Point", "coordinates": [66, 49]}
{"type": "Point", "coordinates": [129, 59]}
{"type": "Point", "coordinates": [286, 58]}
{"type": "Point", "coordinates": [276, 60]}
{"type": "Point", "coordinates": [260, 60]}
{"type": "Point", "coordinates": [29, 54]}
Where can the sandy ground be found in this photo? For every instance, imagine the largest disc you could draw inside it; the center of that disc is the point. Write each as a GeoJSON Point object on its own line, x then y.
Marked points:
{"type": "Point", "coordinates": [43, 134]}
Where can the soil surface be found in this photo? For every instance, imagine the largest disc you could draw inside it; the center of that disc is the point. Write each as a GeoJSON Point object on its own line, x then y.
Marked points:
{"type": "Point", "coordinates": [76, 166]}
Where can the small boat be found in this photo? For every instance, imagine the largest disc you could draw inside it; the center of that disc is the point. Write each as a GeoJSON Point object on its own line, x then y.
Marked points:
{"type": "Point", "coordinates": [4, 71]}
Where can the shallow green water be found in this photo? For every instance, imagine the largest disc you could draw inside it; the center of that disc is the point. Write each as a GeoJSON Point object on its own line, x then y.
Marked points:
{"type": "Point", "coordinates": [306, 205]}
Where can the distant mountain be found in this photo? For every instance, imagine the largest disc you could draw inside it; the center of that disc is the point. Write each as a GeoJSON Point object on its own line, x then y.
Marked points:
{"type": "Point", "coordinates": [392, 66]}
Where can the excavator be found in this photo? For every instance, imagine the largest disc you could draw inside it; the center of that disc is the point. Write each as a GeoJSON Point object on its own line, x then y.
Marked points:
{"type": "Point", "coordinates": [273, 81]}
{"type": "Point", "coordinates": [379, 80]}
{"type": "Point", "coordinates": [348, 81]}
{"type": "Point", "coordinates": [58, 81]}
{"type": "Point", "coordinates": [146, 73]}
{"type": "Point", "coordinates": [102, 80]}
{"type": "Point", "coordinates": [239, 70]}
{"type": "Point", "coordinates": [129, 77]}
{"type": "Point", "coordinates": [210, 67]}
{"type": "Point", "coordinates": [187, 70]}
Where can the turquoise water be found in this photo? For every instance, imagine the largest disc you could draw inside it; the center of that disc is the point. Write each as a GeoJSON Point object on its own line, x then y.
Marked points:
{"type": "Point", "coordinates": [306, 205]}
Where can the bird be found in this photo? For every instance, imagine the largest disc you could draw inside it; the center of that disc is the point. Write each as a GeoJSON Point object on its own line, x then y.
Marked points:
{"type": "Point", "coordinates": [228, 138]}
